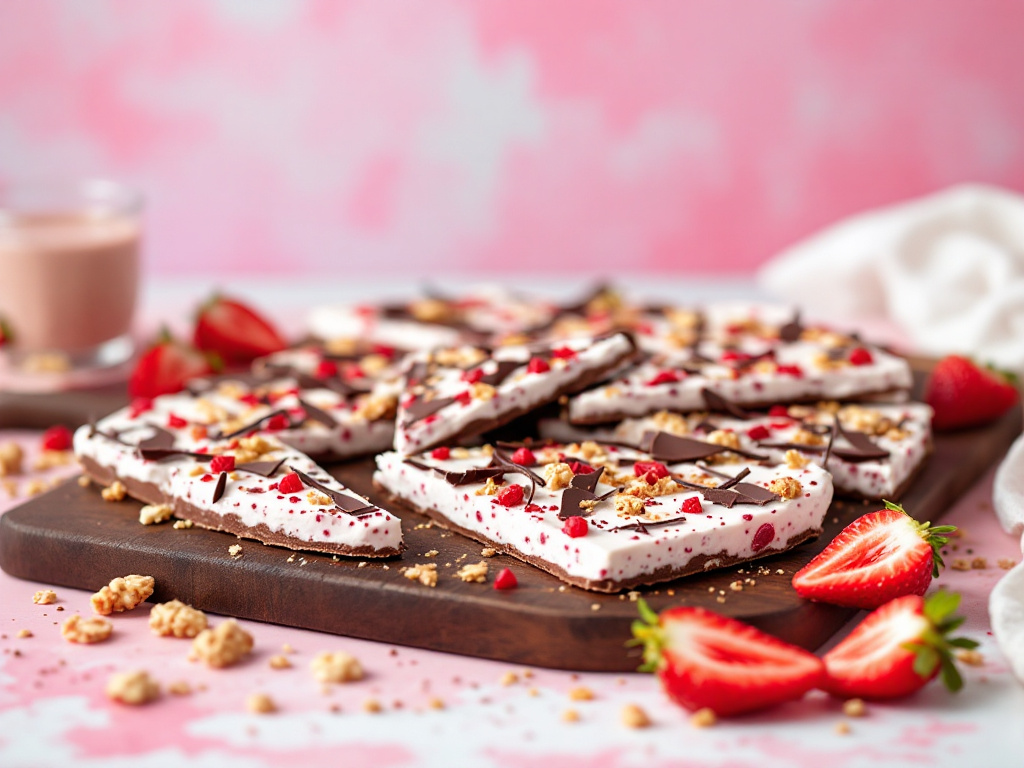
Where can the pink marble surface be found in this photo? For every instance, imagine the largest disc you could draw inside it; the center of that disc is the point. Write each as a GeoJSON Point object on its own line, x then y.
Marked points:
{"type": "Point", "coordinates": [53, 709]}
{"type": "Point", "coordinates": [351, 137]}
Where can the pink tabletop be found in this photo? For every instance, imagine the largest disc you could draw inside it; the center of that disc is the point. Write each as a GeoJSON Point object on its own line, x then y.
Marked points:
{"type": "Point", "coordinates": [53, 709]}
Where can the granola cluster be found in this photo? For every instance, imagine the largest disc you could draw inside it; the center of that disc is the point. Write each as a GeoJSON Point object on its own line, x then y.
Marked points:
{"type": "Point", "coordinates": [175, 619]}
{"type": "Point", "coordinates": [133, 687]}
{"type": "Point", "coordinates": [336, 667]}
{"type": "Point", "coordinates": [223, 646]}
{"type": "Point", "coordinates": [122, 594]}
{"type": "Point", "coordinates": [86, 630]}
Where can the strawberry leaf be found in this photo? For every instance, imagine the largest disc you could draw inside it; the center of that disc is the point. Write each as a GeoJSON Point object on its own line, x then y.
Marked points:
{"type": "Point", "coordinates": [964, 642]}
{"type": "Point", "coordinates": [926, 658]}
{"type": "Point", "coordinates": [950, 674]}
{"type": "Point", "coordinates": [647, 632]}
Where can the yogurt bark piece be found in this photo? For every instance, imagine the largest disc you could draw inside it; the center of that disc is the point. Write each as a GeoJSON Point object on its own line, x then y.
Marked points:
{"type": "Point", "coordinates": [607, 518]}
{"type": "Point", "coordinates": [752, 360]}
{"type": "Point", "coordinates": [875, 455]}
{"type": "Point", "coordinates": [174, 450]}
{"type": "Point", "coordinates": [454, 393]}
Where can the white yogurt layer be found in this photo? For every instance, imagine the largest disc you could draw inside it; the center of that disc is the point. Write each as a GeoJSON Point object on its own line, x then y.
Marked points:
{"type": "Point", "coordinates": [903, 430]}
{"type": "Point", "coordinates": [625, 555]}
{"type": "Point", "coordinates": [306, 516]}
{"type": "Point", "coordinates": [522, 390]}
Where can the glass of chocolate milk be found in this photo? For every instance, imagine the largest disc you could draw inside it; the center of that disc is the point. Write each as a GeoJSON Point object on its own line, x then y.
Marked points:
{"type": "Point", "coordinates": [69, 273]}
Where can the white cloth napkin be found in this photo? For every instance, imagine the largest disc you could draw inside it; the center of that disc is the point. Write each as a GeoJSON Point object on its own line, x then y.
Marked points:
{"type": "Point", "coordinates": [948, 269]}
{"type": "Point", "coordinates": [1006, 603]}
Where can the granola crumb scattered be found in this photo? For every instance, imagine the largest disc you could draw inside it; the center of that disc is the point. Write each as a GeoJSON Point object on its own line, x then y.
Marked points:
{"type": "Point", "coordinates": [23, 633]}
{"type": "Point", "coordinates": [533, 692]}
{"type": "Point", "coordinates": [260, 704]}
{"type": "Point", "coordinates": [581, 693]}
{"type": "Point", "coordinates": [35, 487]}
{"type": "Point", "coordinates": [703, 718]}
{"type": "Point", "coordinates": [132, 688]}
{"type": "Point", "coordinates": [842, 728]}
{"type": "Point", "coordinates": [595, 606]}
{"type": "Point", "coordinates": [436, 703]}
{"type": "Point", "coordinates": [84, 481]}
{"type": "Point", "coordinates": [431, 553]}
{"type": "Point", "coordinates": [287, 648]}
{"type": "Point", "coordinates": [151, 514]}
{"type": "Point", "coordinates": [795, 459]}
{"type": "Point", "coordinates": [116, 491]}
{"type": "Point", "coordinates": [235, 550]}
{"type": "Point", "coordinates": [44, 597]}
{"type": "Point", "coordinates": [182, 525]}
{"type": "Point", "coordinates": [509, 678]}
{"type": "Point", "coordinates": [473, 572]}
{"type": "Point", "coordinates": [786, 487]}
{"type": "Point", "coordinates": [1006, 563]}
{"type": "Point", "coordinates": [736, 586]}
{"type": "Point", "coordinates": [854, 708]}
{"type": "Point", "coordinates": [372, 706]}
{"type": "Point", "coordinates": [11, 457]}
{"type": "Point", "coordinates": [86, 630]}
{"type": "Point", "coordinates": [122, 594]}
{"type": "Point", "coordinates": [279, 661]}
{"type": "Point", "coordinates": [960, 564]}
{"type": "Point", "coordinates": [634, 717]}
{"type": "Point", "coordinates": [970, 657]}
{"type": "Point", "coordinates": [336, 667]}
{"type": "Point", "coordinates": [222, 646]}
{"type": "Point", "coordinates": [979, 563]}
{"type": "Point", "coordinates": [179, 688]}
{"type": "Point", "coordinates": [175, 619]}
{"type": "Point", "coordinates": [570, 716]}
{"type": "Point", "coordinates": [488, 552]}
{"type": "Point", "coordinates": [424, 573]}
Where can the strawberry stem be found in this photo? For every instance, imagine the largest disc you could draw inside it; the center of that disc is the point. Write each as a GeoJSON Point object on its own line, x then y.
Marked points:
{"type": "Point", "coordinates": [935, 648]}
{"type": "Point", "coordinates": [647, 632]}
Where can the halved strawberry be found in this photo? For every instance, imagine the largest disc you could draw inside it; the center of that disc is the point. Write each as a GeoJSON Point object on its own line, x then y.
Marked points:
{"type": "Point", "coordinates": [707, 660]}
{"type": "Point", "coordinates": [235, 331]}
{"type": "Point", "coordinates": [964, 395]}
{"type": "Point", "coordinates": [879, 556]}
{"type": "Point", "coordinates": [165, 367]}
{"type": "Point", "coordinates": [897, 649]}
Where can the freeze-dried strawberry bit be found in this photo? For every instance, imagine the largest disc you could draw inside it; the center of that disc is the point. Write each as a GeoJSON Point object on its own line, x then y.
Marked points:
{"type": "Point", "coordinates": [220, 464]}
{"type": "Point", "coordinates": [760, 432]}
{"type": "Point", "coordinates": [249, 399]}
{"type": "Point", "coordinates": [176, 422]}
{"type": "Point", "coordinates": [664, 377]}
{"type": "Point", "coordinates": [277, 422]}
{"type": "Point", "coordinates": [765, 535]}
{"type": "Point", "coordinates": [139, 406]}
{"type": "Point", "coordinates": [860, 356]}
{"type": "Point", "coordinates": [778, 410]}
{"type": "Point", "coordinates": [575, 527]}
{"type": "Point", "coordinates": [384, 351]}
{"type": "Point", "coordinates": [563, 353]}
{"type": "Point", "coordinates": [57, 438]}
{"type": "Point", "coordinates": [353, 371]}
{"type": "Point", "coordinates": [579, 468]}
{"type": "Point", "coordinates": [790, 370]}
{"type": "Point", "coordinates": [537, 365]}
{"type": "Point", "coordinates": [441, 453]}
{"type": "Point", "coordinates": [464, 398]}
{"type": "Point", "coordinates": [506, 579]}
{"type": "Point", "coordinates": [511, 496]}
{"type": "Point", "coordinates": [290, 483]}
{"type": "Point", "coordinates": [326, 369]}
{"type": "Point", "coordinates": [524, 457]}
{"type": "Point", "coordinates": [692, 506]}
{"type": "Point", "coordinates": [473, 376]}
{"type": "Point", "coordinates": [651, 471]}
{"type": "Point", "coordinates": [731, 356]}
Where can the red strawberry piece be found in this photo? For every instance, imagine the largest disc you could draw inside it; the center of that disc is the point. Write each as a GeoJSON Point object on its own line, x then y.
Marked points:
{"type": "Point", "coordinates": [473, 376]}
{"type": "Point", "coordinates": [290, 483]}
{"type": "Point", "coordinates": [326, 369]}
{"type": "Point", "coordinates": [563, 353]}
{"type": "Point", "coordinates": [223, 464]}
{"type": "Point", "coordinates": [139, 406]}
{"type": "Point", "coordinates": [249, 399]}
{"type": "Point", "coordinates": [384, 351]}
{"type": "Point", "coordinates": [897, 649]}
{"type": "Point", "coordinates": [759, 432]}
{"type": "Point", "coordinates": [165, 368]}
{"type": "Point", "coordinates": [506, 579]}
{"type": "Point", "coordinates": [861, 356]}
{"type": "Point", "coordinates": [57, 438]}
{"type": "Point", "coordinates": [663, 377]}
{"type": "Point", "coordinates": [778, 410]}
{"type": "Point", "coordinates": [879, 556]}
{"type": "Point", "coordinates": [651, 471]}
{"type": "Point", "coordinates": [764, 536]}
{"type": "Point", "coordinates": [464, 398]}
{"type": "Point", "coordinates": [199, 432]}
{"type": "Point", "coordinates": [537, 365]}
{"type": "Point", "coordinates": [790, 370]}
{"type": "Point", "coordinates": [176, 422]}
{"type": "Point", "coordinates": [235, 331]}
{"type": "Point", "coordinates": [276, 422]}
{"type": "Point", "coordinates": [524, 457]}
{"type": "Point", "coordinates": [511, 495]}
{"type": "Point", "coordinates": [575, 527]}
{"type": "Point", "coordinates": [731, 355]}
{"type": "Point", "coordinates": [441, 453]}
{"type": "Point", "coordinates": [692, 506]}
{"type": "Point", "coordinates": [707, 660]}
{"type": "Point", "coordinates": [964, 395]}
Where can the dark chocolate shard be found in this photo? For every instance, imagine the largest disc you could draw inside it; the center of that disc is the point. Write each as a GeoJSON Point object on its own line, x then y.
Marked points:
{"type": "Point", "coordinates": [736, 478]}
{"type": "Point", "coordinates": [722, 498]}
{"type": "Point", "coordinates": [222, 483]}
{"type": "Point", "coordinates": [160, 438]}
{"type": "Point", "coordinates": [642, 525]}
{"type": "Point", "coordinates": [791, 331]}
{"type": "Point", "coordinates": [502, 372]}
{"type": "Point", "coordinates": [503, 462]}
{"type": "Point", "coordinates": [157, 454]}
{"type": "Point", "coordinates": [255, 425]}
{"type": "Point", "coordinates": [350, 505]}
{"type": "Point", "coordinates": [570, 504]}
{"type": "Point", "coordinates": [863, 449]}
{"type": "Point", "coordinates": [420, 408]}
{"type": "Point", "coordinates": [755, 493]}
{"type": "Point", "coordinates": [715, 402]}
{"type": "Point", "coordinates": [588, 481]}
{"type": "Point", "coordinates": [465, 477]}
{"type": "Point", "coordinates": [318, 414]}
{"type": "Point", "coordinates": [261, 468]}
{"type": "Point", "coordinates": [673, 449]}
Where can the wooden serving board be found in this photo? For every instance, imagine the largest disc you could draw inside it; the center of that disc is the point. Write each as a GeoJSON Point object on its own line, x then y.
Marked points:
{"type": "Point", "coordinates": [71, 537]}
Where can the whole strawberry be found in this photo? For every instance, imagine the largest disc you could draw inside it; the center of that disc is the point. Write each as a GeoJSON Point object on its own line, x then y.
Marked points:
{"type": "Point", "coordinates": [964, 395]}
{"type": "Point", "coordinates": [707, 660]}
{"type": "Point", "coordinates": [898, 649]}
{"type": "Point", "coordinates": [235, 331]}
{"type": "Point", "coordinates": [877, 557]}
{"type": "Point", "coordinates": [165, 368]}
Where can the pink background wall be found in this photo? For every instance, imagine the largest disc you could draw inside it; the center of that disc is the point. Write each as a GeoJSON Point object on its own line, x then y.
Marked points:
{"type": "Point", "coordinates": [383, 137]}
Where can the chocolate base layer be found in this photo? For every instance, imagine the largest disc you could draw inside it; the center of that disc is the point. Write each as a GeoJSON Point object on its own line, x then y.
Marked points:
{"type": "Point", "coordinates": [696, 564]}
{"type": "Point", "coordinates": [585, 380]}
{"type": "Point", "coordinates": [228, 523]}
{"type": "Point", "coordinates": [610, 418]}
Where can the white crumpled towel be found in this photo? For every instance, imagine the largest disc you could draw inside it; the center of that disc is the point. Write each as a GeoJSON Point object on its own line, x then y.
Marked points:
{"type": "Point", "coordinates": [948, 270]}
